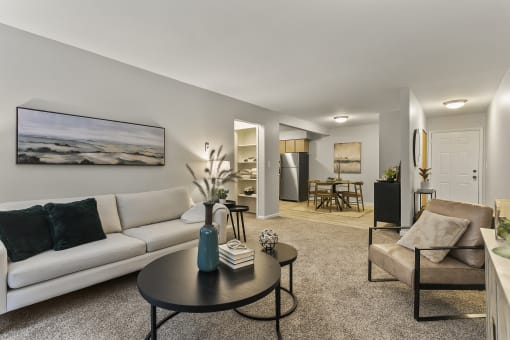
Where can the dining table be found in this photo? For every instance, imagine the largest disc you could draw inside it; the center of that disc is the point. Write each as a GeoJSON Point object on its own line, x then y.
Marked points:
{"type": "Point", "coordinates": [332, 185]}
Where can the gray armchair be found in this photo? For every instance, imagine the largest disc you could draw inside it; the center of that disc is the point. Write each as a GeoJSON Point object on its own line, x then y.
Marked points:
{"type": "Point", "coordinates": [462, 269]}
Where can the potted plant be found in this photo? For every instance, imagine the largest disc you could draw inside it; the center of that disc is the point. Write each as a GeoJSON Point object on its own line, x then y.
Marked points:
{"type": "Point", "coordinates": [391, 174]}
{"type": "Point", "coordinates": [222, 194]}
{"type": "Point", "coordinates": [425, 174]}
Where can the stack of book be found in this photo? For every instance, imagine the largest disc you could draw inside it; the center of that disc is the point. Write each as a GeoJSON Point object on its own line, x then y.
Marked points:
{"type": "Point", "coordinates": [236, 258]}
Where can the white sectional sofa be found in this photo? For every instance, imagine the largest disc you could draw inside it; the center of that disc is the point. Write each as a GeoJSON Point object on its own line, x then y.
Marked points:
{"type": "Point", "coordinates": [139, 228]}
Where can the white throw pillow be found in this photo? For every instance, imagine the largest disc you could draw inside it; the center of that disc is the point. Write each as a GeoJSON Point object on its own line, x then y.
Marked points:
{"type": "Point", "coordinates": [197, 213]}
{"type": "Point", "coordinates": [434, 230]}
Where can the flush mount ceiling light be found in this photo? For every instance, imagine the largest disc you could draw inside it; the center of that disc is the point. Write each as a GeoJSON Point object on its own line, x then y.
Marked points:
{"type": "Point", "coordinates": [455, 104]}
{"type": "Point", "coordinates": [341, 119]}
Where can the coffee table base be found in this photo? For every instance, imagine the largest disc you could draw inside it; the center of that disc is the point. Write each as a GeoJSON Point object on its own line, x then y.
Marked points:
{"type": "Point", "coordinates": [272, 317]}
{"type": "Point", "coordinates": [153, 334]}
{"type": "Point", "coordinates": [155, 325]}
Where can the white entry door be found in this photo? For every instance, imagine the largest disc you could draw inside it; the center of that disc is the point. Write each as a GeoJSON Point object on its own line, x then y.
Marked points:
{"type": "Point", "coordinates": [455, 160]}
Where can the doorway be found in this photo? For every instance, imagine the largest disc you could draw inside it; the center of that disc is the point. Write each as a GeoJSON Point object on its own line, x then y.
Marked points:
{"type": "Point", "coordinates": [246, 160]}
{"type": "Point", "coordinates": [456, 165]}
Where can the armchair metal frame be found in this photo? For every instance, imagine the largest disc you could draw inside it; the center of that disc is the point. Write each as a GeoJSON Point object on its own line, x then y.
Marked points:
{"type": "Point", "coordinates": [418, 286]}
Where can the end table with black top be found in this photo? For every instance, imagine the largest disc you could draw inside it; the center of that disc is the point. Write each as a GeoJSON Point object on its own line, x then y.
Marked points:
{"type": "Point", "coordinates": [285, 254]}
{"type": "Point", "coordinates": [173, 282]}
{"type": "Point", "coordinates": [238, 210]}
{"type": "Point", "coordinates": [418, 198]}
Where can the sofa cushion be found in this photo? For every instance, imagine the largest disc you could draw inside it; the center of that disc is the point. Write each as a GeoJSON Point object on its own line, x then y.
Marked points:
{"type": "Point", "coordinates": [74, 223]}
{"type": "Point", "coordinates": [106, 207]}
{"type": "Point", "coordinates": [165, 234]}
{"type": "Point", "coordinates": [399, 262]}
{"type": "Point", "coordinates": [480, 217]}
{"type": "Point", "coordinates": [52, 264]}
{"type": "Point", "coordinates": [434, 230]}
{"type": "Point", "coordinates": [149, 207]}
{"type": "Point", "coordinates": [25, 232]}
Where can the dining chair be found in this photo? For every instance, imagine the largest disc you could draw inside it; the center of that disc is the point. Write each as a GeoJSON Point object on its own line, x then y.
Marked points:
{"type": "Point", "coordinates": [327, 197]}
{"type": "Point", "coordinates": [354, 195]}
{"type": "Point", "coordinates": [312, 183]}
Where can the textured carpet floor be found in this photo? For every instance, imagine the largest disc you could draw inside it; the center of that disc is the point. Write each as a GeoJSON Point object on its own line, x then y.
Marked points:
{"type": "Point", "coordinates": [335, 301]}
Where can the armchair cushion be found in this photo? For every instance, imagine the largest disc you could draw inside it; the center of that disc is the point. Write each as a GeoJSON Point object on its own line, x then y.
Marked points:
{"type": "Point", "coordinates": [433, 230]}
{"type": "Point", "coordinates": [399, 262]}
{"type": "Point", "coordinates": [480, 217]}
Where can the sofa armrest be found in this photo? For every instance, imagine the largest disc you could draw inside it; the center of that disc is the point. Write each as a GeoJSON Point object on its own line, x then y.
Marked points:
{"type": "Point", "coordinates": [3, 278]}
{"type": "Point", "coordinates": [417, 249]}
{"type": "Point", "coordinates": [220, 220]}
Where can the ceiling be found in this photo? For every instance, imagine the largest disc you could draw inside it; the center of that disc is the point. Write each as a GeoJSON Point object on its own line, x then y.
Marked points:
{"type": "Point", "coordinates": [311, 59]}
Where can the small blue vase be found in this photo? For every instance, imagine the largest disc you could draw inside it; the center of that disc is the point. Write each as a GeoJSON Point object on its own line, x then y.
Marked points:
{"type": "Point", "coordinates": [208, 254]}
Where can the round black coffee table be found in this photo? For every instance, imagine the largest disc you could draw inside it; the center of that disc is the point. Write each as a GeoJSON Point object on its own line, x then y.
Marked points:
{"type": "Point", "coordinates": [174, 282]}
{"type": "Point", "coordinates": [285, 254]}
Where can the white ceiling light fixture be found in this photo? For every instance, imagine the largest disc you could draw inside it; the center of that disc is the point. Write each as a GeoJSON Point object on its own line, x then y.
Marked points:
{"type": "Point", "coordinates": [455, 104]}
{"type": "Point", "coordinates": [341, 119]}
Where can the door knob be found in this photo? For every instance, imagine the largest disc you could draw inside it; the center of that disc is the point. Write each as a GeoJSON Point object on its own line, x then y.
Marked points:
{"type": "Point", "coordinates": [474, 177]}
{"type": "Point", "coordinates": [474, 171]}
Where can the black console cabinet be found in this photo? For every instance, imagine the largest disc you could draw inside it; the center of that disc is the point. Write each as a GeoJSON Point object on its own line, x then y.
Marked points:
{"type": "Point", "coordinates": [387, 202]}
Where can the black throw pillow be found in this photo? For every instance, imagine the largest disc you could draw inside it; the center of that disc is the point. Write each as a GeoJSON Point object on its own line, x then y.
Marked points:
{"type": "Point", "coordinates": [74, 223]}
{"type": "Point", "coordinates": [25, 232]}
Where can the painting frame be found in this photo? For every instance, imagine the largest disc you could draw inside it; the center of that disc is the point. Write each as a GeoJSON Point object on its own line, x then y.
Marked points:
{"type": "Point", "coordinates": [128, 152]}
{"type": "Point", "coordinates": [347, 158]}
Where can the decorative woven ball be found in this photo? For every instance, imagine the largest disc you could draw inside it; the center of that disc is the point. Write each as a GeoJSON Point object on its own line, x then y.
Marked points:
{"type": "Point", "coordinates": [268, 239]}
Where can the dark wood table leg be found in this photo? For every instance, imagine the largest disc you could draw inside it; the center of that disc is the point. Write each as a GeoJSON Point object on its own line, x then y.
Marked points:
{"type": "Point", "coordinates": [290, 278]}
{"type": "Point", "coordinates": [278, 310]}
{"type": "Point", "coordinates": [238, 231]}
{"type": "Point", "coordinates": [232, 221]}
{"type": "Point", "coordinates": [154, 327]}
{"type": "Point", "coordinates": [244, 231]}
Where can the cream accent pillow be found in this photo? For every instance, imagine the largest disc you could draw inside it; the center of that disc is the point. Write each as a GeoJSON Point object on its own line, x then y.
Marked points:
{"type": "Point", "coordinates": [434, 230]}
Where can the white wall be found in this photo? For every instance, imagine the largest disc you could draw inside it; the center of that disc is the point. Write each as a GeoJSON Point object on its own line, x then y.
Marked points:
{"type": "Point", "coordinates": [497, 179]}
{"type": "Point", "coordinates": [456, 122]}
{"type": "Point", "coordinates": [413, 118]}
{"type": "Point", "coordinates": [289, 132]}
{"type": "Point", "coordinates": [44, 74]}
{"type": "Point", "coordinates": [390, 138]}
{"type": "Point", "coordinates": [321, 155]}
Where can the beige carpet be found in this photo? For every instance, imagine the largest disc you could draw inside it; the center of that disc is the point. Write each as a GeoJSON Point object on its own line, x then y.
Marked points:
{"type": "Point", "coordinates": [335, 301]}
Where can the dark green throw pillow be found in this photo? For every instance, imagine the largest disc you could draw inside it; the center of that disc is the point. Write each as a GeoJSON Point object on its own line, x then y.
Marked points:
{"type": "Point", "coordinates": [25, 232]}
{"type": "Point", "coordinates": [74, 223]}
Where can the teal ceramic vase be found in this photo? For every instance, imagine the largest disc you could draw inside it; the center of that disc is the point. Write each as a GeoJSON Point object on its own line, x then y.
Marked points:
{"type": "Point", "coordinates": [208, 254]}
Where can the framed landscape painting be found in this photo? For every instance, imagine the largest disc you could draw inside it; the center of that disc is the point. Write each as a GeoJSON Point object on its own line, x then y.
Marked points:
{"type": "Point", "coordinates": [45, 137]}
{"type": "Point", "coordinates": [347, 158]}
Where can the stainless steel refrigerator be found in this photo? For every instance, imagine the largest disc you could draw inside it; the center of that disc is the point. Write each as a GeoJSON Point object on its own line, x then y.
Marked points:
{"type": "Point", "coordinates": [294, 176]}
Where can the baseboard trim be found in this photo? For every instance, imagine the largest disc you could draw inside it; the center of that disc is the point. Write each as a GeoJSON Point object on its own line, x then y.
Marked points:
{"type": "Point", "coordinates": [268, 216]}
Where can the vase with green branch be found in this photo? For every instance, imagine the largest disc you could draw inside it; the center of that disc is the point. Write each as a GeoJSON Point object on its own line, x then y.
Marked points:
{"type": "Point", "coordinates": [425, 174]}
{"type": "Point", "coordinates": [208, 185]}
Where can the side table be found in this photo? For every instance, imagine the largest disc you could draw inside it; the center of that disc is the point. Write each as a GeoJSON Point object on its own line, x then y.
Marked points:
{"type": "Point", "coordinates": [285, 254]}
{"type": "Point", "coordinates": [419, 192]}
{"type": "Point", "coordinates": [239, 210]}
